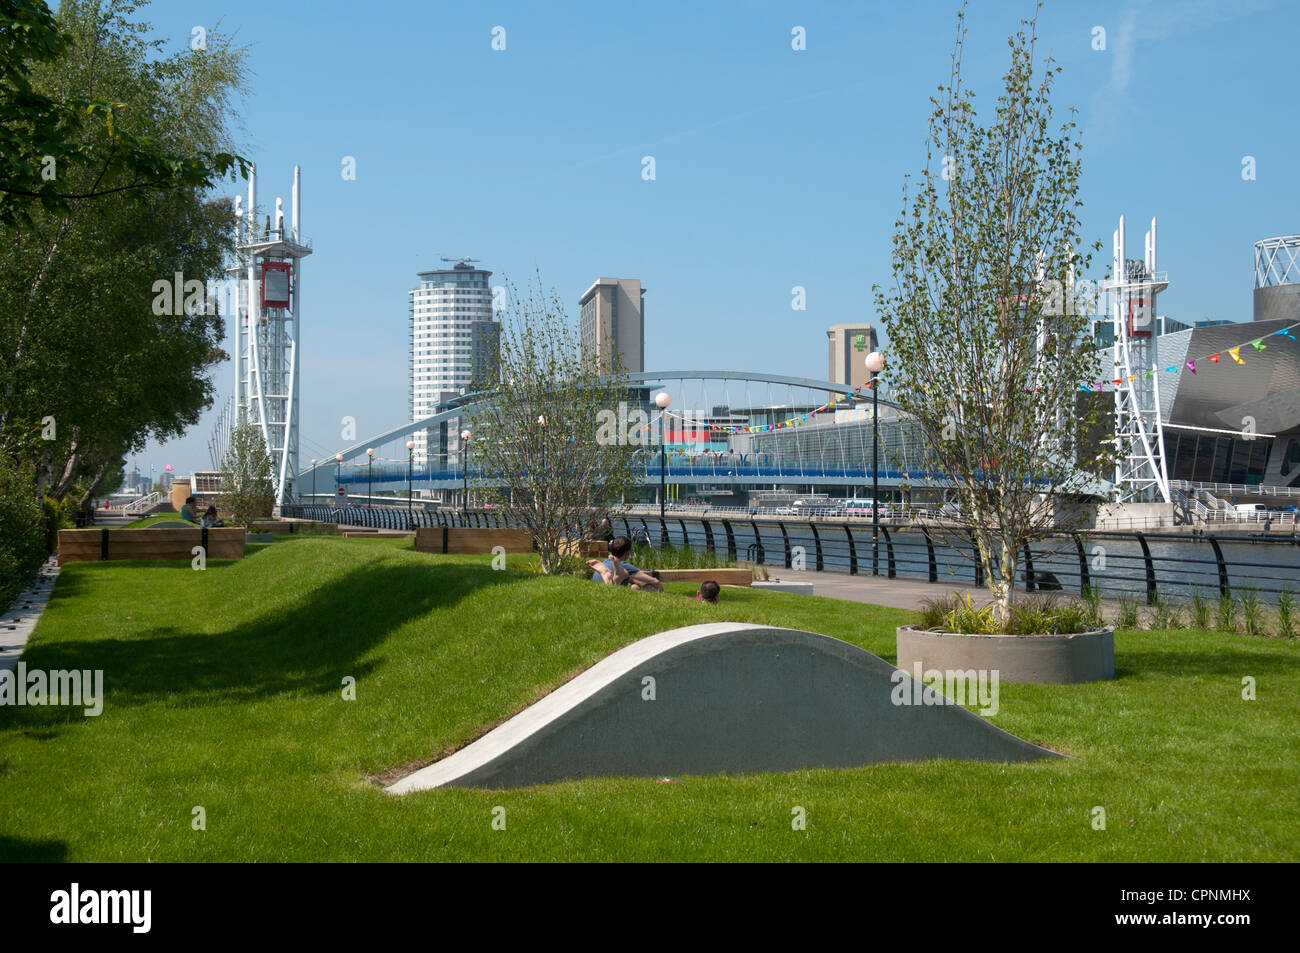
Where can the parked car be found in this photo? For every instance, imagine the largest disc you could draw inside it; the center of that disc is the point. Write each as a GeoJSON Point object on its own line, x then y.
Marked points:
{"type": "Point", "coordinates": [785, 511]}
{"type": "Point", "coordinates": [864, 507]}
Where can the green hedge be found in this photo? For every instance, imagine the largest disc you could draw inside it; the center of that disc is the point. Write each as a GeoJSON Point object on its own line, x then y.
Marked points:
{"type": "Point", "coordinates": [23, 532]}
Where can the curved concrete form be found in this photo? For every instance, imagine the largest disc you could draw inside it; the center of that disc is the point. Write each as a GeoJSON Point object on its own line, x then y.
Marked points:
{"type": "Point", "coordinates": [724, 697]}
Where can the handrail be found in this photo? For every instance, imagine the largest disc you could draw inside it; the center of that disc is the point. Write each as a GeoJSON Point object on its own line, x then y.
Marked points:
{"type": "Point", "coordinates": [1146, 566]}
{"type": "Point", "coordinates": [143, 503]}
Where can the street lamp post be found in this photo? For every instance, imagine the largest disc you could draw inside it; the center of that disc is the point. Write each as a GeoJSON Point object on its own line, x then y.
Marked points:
{"type": "Point", "coordinates": [313, 482]}
{"type": "Point", "coordinates": [410, 459]}
{"type": "Point", "coordinates": [338, 475]}
{"type": "Point", "coordinates": [370, 483]}
{"type": "Point", "coordinates": [464, 476]}
{"type": "Point", "coordinates": [875, 364]}
{"type": "Point", "coordinates": [662, 400]}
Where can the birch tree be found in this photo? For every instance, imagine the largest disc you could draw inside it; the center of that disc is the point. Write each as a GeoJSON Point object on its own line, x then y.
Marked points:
{"type": "Point", "coordinates": [988, 355]}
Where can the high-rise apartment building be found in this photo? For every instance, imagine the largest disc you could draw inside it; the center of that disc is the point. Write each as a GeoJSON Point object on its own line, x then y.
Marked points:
{"type": "Point", "coordinates": [848, 347]}
{"type": "Point", "coordinates": [484, 355]}
{"type": "Point", "coordinates": [444, 310]}
{"type": "Point", "coordinates": [612, 321]}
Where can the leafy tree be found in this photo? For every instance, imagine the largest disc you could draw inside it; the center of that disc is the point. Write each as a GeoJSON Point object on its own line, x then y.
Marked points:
{"type": "Point", "coordinates": [546, 434]}
{"type": "Point", "coordinates": [79, 339]}
{"type": "Point", "coordinates": [248, 476]}
{"type": "Point", "coordinates": [58, 147]}
{"type": "Point", "coordinates": [21, 539]}
{"type": "Point", "coordinates": [984, 356]}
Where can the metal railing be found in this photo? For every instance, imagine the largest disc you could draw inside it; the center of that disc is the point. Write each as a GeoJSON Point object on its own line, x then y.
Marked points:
{"type": "Point", "coordinates": [1146, 566]}
{"type": "Point", "coordinates": [144, 502]}
{"type": "Point", "coordinates": [1240, 489]}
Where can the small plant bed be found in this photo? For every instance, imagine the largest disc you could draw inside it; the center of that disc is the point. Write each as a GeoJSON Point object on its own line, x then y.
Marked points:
{"type": "Point", "coordinates": [651, 558]}
{"type": "Point", "coordinates": [1044, 641]}
{"type": "Point", "coordinates": [957, 613]}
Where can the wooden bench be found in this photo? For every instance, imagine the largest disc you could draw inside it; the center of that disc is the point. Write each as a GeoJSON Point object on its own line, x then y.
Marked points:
{"type": "Point", "coordinates": [95, 545]}
{"type": "Point", "coordinates": [457, 540]}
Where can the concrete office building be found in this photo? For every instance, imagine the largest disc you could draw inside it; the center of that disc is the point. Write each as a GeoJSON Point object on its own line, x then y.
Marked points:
{"type": "Point", "coordinates": [444, 310]}
{"type": "Point", "coordinates": [612, 322]}
{"type": "Point", "coordinates": [847, 348]}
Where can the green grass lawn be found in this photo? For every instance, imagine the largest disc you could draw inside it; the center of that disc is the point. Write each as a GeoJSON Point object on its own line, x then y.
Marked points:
{"type": "Point", "coordinates": [224, 690]}
{"type": "Point", "coordinates": [150, 520]}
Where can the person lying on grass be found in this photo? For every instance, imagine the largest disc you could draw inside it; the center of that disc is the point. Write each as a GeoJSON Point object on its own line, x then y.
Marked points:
{"type": "Point", "coordinates": [615, 572]}
{"type": "Point", "coordinates": [709, 591]}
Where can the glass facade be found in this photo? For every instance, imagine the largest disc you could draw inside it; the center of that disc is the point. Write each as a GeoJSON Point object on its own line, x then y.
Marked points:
{"type": "Point", "coordinates": [1216, 458]}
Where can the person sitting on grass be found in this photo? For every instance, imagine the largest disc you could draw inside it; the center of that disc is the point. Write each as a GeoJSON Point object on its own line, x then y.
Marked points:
{"type": "Point", "coordinates": [615, 572]}
{"type": "Point", "coordinates": [210, 518]}
{"type": "Point", "coordinates": [187, 511]}
{"type": "Point", "coordinates": [709, 591]}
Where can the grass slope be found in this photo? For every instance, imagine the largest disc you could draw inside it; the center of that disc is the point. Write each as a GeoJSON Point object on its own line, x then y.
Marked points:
{"type": "Point", "coordinates": [224, 691]}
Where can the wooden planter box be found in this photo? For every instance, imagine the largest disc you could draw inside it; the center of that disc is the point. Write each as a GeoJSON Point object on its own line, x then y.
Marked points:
{"type": "Point", "coordinates": [94, 545]}
{"type": "Point", "coordinates": [723, 577]}
{"type": "Point", "coordinates": [592, 549]}
{"type": "Point", "coordinates": [459, 541]}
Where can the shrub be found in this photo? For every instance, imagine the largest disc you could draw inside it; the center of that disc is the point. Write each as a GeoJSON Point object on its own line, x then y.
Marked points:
{"type": "Point", "coordinates": [969, 618]}
{"type": "Point", "coordinates": [1127, 617]}
{"type": "Point", "coordinates": [1035, 614]}
{"type": "Point", "coordinates": [1252, 613]}
{"type": "Point", "coordinates": [1075, 617]}
{"type": "Point", "coordinates": [22, 533]}
{"type": "Point", "coordinates": [1200, 610]}
{"type": "Point", "coordinates": [1225, 616]}
{"type": "Point", "coordinates": [248, 476]}
{"type": "Point", "coordinates": [650, 558]}
{"type": "Point", "coordinates": [1092, 602]}
{"type": "Point", "coordinates": [1285, 614]}
{"type": "Point", "coordinates": [1165, 614]}
{"type": "Point", "coordinates": [935, 612]}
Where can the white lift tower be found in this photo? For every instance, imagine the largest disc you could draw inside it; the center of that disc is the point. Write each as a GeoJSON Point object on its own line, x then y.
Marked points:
{"type": "Point", "coordinates": [1141, 475]}
{"type": "Point", "coordinates": [267, 328]}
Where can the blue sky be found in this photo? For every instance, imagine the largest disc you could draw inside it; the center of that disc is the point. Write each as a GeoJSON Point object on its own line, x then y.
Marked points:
{"type": "Point", "coordinates": [774, 167]}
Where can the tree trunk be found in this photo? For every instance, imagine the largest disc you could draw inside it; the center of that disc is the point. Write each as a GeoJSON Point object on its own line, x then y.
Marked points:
{"type": "Point", "coordinates": [64, 483]}
{"type": "Point", "coordinates": [93, 485]}
{"type": "Point", "coordinates": [1003, 586]}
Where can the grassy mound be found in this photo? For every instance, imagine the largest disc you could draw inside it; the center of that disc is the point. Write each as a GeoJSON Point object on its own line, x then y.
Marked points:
{"type": "Point", "coordinates": [224, 690]}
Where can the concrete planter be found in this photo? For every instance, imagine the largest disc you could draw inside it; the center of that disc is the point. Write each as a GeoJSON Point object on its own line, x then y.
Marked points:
{"type": "Point", "coordinates": [1042, 659]}
{"type": "Point", "coordinates": [778, 585]}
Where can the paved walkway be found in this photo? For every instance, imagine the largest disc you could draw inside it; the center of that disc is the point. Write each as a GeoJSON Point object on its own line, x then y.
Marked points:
{"type": "Point", "coordinates": [877, 590]}
{"type": "Point", "coordinates": [17, 624]}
